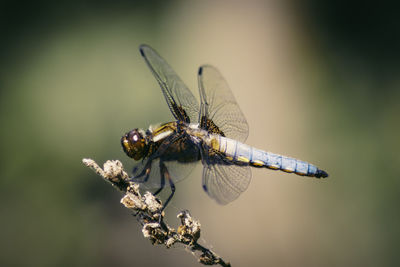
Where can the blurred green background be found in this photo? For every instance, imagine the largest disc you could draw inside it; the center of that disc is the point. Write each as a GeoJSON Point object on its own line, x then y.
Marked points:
{"type": "Point", "coordinates": [318, 81]}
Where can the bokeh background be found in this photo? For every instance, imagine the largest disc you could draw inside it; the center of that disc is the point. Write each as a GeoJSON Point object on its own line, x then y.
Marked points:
{"type": "Point", "coordinates": [317, 80]}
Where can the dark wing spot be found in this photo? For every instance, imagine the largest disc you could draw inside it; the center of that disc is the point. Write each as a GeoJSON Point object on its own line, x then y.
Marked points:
{"type": "Point", "coordinates": [141, 50]}
{"type": "Point", "coordinates": [210, 126]}
{"type": "Point", "coordinates": [180, 112]}
{"type": "Point", "coordinates": [200, 70]}
{"type": "Point", "coordinates": [205, 188]}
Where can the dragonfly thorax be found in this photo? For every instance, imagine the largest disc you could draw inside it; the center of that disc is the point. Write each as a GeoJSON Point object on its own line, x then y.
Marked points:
{"type": "Point", "coordinates": [134, 144]}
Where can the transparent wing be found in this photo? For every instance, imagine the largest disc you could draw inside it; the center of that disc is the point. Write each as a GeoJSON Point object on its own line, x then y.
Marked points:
{"type": "Point", "coordinates": [224, 183]}
{"type": "Point", "coordinates": [183, 105]}
{"type": "Point", "coordinates": [218, 106]}
{"type": "Point", "coordinates": [178, 171]}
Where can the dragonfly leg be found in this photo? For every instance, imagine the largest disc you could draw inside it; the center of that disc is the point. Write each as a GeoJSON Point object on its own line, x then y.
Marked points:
{"type": "Point", "coordinates": [145, 172]}
{"type": "Point", "coordinates": [165, 175]}
{"type": "Point", "coordinates": [162, 185]}
{"type": "Point", "coordinates": [172, 185]}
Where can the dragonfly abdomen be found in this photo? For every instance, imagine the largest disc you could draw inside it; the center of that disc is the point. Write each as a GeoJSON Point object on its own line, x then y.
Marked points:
{"type": "Point", "coordinates": [245, 154]}
{"type": "Point", "coordinates": [287, 164]}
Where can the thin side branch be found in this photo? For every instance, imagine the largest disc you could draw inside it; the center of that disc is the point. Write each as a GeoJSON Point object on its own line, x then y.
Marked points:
{"type": "Point", "coordinates": [147, 208]}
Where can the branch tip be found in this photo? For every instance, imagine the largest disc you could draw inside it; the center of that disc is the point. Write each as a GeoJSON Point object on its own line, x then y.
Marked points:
{"type": "Point", "coordinates": [147, 209]}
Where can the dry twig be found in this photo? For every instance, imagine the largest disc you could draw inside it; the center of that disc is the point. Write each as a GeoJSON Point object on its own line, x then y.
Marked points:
{"type": "Point", "coordinates": [147, 209]}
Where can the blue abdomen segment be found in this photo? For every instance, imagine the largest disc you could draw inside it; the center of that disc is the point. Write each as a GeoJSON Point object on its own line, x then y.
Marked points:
{"type": "Point", "coordinates": [278, 162]}
{"type": "Point", "coordinates": [243, 154]}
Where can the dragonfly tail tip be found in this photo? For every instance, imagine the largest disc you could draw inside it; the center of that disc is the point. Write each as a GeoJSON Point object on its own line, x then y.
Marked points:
{"type": "Point", "coordinates": [321, 174]}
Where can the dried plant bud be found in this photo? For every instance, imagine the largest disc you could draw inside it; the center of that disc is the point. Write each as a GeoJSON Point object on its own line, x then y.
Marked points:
{"type": "Point", "coordinates": [147, 209]}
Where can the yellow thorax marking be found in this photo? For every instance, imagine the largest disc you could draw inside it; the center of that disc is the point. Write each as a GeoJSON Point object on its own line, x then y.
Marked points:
{"type": "Point", "coordinates": [165, 127]}
{"type": "Point", "coordinates": [163, 131]}
{"type": "Point", "coordinates": [214, 143]}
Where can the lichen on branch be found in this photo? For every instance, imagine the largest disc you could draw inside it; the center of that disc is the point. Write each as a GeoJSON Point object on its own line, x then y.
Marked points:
{"type": "Point", "coordinates": [148, 210]}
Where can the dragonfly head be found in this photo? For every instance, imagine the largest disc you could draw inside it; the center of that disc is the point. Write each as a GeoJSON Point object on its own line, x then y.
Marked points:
{"type": "Point", "coordinates": [134, 144]}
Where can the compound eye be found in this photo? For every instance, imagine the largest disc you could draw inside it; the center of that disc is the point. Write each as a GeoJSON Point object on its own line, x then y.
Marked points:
{"type": "Point", "coordinates": [134, 144]}
{"type": "Point", "coordinates": [133, 137]}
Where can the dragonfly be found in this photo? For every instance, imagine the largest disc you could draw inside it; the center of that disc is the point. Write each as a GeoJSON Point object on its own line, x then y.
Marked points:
{"type": "Point", "coordinates": [212, 132]}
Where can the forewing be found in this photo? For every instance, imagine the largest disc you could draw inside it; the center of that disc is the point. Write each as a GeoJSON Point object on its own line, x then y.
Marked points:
{"type": "Point", "coordinates": [183, 105]}
{"type": "Point", "coordinates": [218, 106]}
{"type": "Point", "coordinates": [224, 183]}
